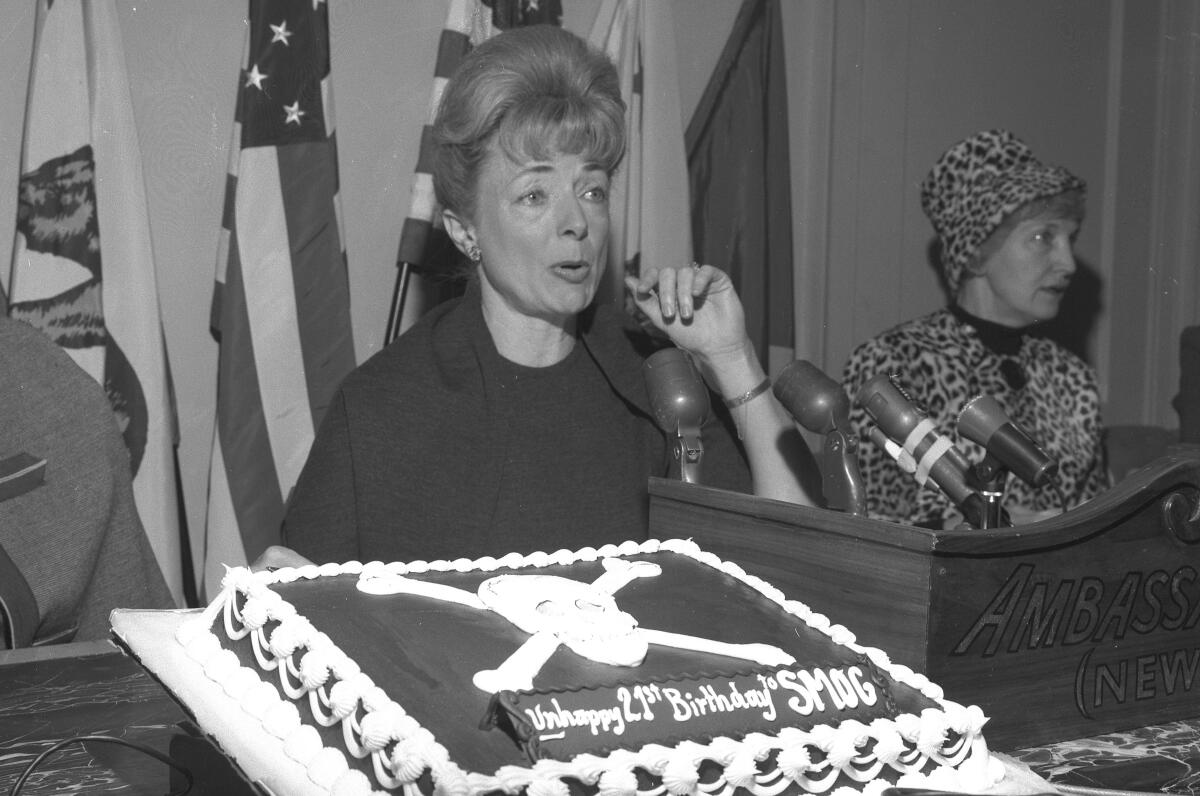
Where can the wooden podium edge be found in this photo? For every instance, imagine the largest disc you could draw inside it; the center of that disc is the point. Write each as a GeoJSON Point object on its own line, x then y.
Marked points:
{"type": "Point", "coordinates": [1159, 480]}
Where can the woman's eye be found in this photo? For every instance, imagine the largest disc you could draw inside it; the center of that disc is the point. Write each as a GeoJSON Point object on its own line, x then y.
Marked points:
{"type": "Point", "coordinates": [532, 197]}
{"type": "Point", "coordinates": [1045, 237]}
{"type": "Point", "coordinates": [597, 193]}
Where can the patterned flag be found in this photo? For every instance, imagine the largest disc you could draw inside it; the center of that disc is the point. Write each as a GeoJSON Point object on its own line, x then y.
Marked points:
{"type": "Point", "coordinates": [83, 266]}
{"type": "Point", "coordinates": [649, 206]}
{"type": "Point", "coordinates": [737, 146]}
{"type": "Point", "coordinates": [425, 248]}
{"type": "Point", "coordinates": [281, 306]}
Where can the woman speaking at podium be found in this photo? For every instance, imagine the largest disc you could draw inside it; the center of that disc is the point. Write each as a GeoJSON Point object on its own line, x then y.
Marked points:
{"type": "Point", "coordinates": [1006, 224]}
{"type": "Point", "coordinates": [515, 419]}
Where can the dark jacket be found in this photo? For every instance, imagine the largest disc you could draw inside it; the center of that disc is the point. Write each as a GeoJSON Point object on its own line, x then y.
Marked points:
{"type": "Point", "coordinates": [413, 460]}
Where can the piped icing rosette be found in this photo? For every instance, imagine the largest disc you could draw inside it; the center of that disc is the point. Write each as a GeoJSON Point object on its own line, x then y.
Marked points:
{"type": "Point", "coordinates": [305, 681]}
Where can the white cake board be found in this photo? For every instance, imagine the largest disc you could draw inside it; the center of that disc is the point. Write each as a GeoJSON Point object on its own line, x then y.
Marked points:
{"type": "Point", "coordinates": [150, 637]}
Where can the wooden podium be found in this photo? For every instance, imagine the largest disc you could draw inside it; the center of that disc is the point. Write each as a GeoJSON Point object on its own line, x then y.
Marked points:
{"type": "Point", "coordinates": [1081, 624]}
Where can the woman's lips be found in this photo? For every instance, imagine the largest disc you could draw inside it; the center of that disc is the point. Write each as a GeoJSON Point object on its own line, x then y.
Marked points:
{"type": "Point", "coordinates": [576, 271]}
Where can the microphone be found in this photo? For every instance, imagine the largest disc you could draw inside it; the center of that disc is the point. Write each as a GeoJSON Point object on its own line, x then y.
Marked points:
{"type": "Point", "coordinates": [820, 405]}
{"type": "Point", "coordinates": [818, 402]}
{"type": "Point", "coordinates": [929, 453]}
{"type": "Point", "coordinates": [679, 401]}
{"type": "Point", "coordinates": [983, 421]}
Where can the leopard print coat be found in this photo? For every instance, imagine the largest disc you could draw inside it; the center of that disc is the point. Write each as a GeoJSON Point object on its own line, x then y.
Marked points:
{"type": "Point", "coordinates": [941, 363]}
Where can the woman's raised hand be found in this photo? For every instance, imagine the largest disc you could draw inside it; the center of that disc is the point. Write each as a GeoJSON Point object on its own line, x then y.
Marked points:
{"type": "Point", "coordinates": [700, 311]}
{"type": "Point", "coordinates": [696, 306]}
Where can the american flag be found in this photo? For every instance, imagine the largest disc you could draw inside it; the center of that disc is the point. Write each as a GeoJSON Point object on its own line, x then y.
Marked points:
{"type": "Point", "coordinates": [281, 306]}
{"type": "Point", "coordinates": [425, 248]}
{"type": "Point", "coordinates": [83, 268]}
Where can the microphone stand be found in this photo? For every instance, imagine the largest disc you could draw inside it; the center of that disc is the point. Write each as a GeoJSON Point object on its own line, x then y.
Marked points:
{"type": "Point", "coordinates": [688, 449]}
{"type": "Point", "coordinates": [987, 479]}
{"type": "Point", "coordinates": [820, 404]}
{"type": "Point", "coordinates": [680, 404]}
{"type": "Point", "coordinates": [843, 484]}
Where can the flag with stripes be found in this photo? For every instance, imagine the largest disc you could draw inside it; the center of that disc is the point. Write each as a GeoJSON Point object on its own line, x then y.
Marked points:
{"type": "Point", "coordinates": [649, 205]}
{"type": "Point", "coordinates": [83, 264]}
{"type": "Point", "coordinates": [425, 250]}
{"type": "Point", "coordinates": [737, 146]}
{"type": "Point", "coordinates": [281, 304]}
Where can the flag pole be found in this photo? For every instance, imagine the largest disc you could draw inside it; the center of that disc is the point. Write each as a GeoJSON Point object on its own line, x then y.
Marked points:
{"type": "Point", "coordinates": [399, 295]}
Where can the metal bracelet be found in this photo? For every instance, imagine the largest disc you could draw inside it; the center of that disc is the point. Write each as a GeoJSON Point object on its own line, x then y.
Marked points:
{"type": "Point", "coordinates": [749, 395]}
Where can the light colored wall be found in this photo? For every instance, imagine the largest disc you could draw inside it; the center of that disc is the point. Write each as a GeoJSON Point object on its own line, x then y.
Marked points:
{"type": "Point", "coordinates": [1155, 222]}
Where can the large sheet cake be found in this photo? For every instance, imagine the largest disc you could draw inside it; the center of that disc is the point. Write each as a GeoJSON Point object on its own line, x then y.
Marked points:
{"type": "Point", "coordinates": [634, 669]}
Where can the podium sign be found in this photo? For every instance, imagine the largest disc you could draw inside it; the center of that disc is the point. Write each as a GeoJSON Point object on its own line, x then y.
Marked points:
{"type": "Point", "coordinates": [1085, 623]}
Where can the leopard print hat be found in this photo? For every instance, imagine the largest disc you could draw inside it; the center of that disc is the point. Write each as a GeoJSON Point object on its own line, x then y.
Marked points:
{"type": "Point", "coordinates": [976, 184]}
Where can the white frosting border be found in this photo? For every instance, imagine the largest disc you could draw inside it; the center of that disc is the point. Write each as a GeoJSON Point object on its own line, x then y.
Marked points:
{"type": "Point", "coordinates": [371, 720]}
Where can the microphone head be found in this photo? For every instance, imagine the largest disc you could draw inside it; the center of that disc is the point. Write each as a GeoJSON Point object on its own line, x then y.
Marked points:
{"type": "Point", "coordinates": [816, 401]}
{"type": "Point", "coordinates": [980, 418]}
{"type": "Point", "coordinates": [984, 422]}
{"type": "Point", "coordinates": [678, 395]}
{"type": "Point", "coordinates": [892, 410]}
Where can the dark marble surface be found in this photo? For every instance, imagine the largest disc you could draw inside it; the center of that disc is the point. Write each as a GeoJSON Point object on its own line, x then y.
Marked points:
{"type": "Point", "coordinates": [49, 695]}
{"type": "Point", "coordinates": [1159, 759]}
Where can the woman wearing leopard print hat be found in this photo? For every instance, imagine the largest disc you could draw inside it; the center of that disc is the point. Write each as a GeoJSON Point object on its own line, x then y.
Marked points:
{"type": "Point", "coordinates": [1006, 224]}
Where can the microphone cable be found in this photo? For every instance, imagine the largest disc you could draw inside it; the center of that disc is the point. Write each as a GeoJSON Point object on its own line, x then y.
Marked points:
{"type": "Point", "coordinates": [37, 761]}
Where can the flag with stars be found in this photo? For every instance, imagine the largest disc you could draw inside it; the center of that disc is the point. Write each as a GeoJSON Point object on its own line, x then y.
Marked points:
{"type": "Point", "coordinates": [649, 209]}
{"type": "Point", "coordinates": [83, 267]}
{"type": "Point", "coordinates": [281, 304]}
{"type": "Point", "coordinates": [426, 254]}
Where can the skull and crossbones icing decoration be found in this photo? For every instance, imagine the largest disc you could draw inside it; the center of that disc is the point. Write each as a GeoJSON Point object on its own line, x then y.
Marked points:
{"type": "Point", "coordinates": [557, 611]}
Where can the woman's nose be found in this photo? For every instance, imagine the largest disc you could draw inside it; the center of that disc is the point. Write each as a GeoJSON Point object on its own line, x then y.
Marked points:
{"type": "Point", "coordinates": [1064, 257]}
{"type": "Point", "coordinates": [573, 220]}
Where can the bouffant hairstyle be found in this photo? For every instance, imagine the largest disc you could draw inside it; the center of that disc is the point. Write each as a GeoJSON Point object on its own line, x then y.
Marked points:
{"type": "Point", "coordinates": [536, 91]}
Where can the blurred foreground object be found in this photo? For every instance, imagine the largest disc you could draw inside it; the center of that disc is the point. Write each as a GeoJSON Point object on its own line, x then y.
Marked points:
{"type": "Point", "coordinates": [75, 541]}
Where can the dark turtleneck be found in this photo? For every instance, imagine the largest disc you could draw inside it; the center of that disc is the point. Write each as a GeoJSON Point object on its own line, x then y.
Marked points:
{"type": "Point", "coordinates": [1004, 341]}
